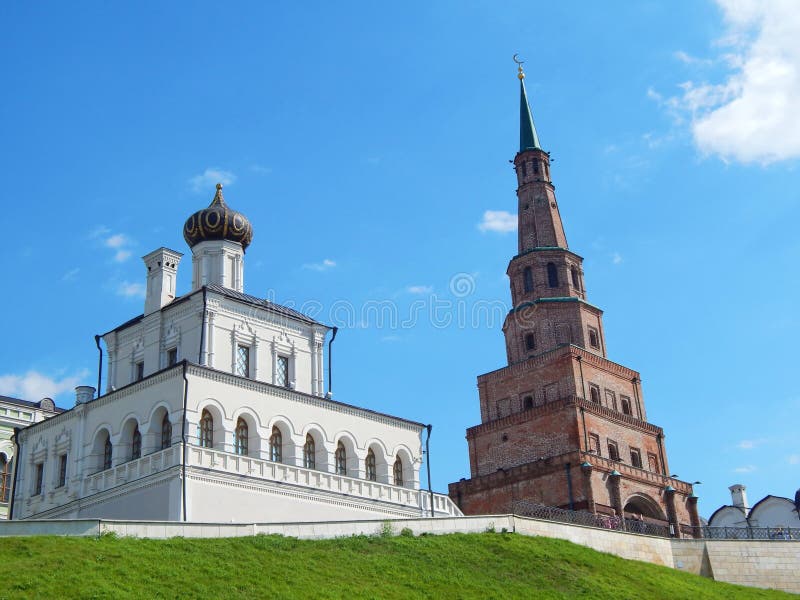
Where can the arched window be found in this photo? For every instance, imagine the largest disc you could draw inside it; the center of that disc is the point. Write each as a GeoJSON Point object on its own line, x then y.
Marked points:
{"type": "Point", "coordinates": [275, 445]}
{"type": "Point", "coordinates": [527, 279]}
{"type": "Point", "coordinates": [398, 471]}
{"type": "Point", "coordinates": [136, 444]}
{"type": "Point", "coordinates": [340, 459]}
{"type": "Point", "coordinates": [240, 437]}
{"type": "Point", "coordinates": [206, 430]}
{"type": "Point", "coordinates": [107, 454]}
{"type": "Point", "coordinates": [576, 282]}
{"type": "Point", "coordinates": [527, 402]}
{"type": "Point", "coordinates": [552, 275]}
{"type": "Point", "coordinates": [5, 477]}
{"type": "Point", "coordinates": [372, 471]}
{"type": "Point", "coordinates": [166, 432]}
{"type": "Point", "coordinates": [309, 453]}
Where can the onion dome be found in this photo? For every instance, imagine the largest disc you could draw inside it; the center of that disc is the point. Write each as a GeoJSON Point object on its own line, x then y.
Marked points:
{"type": "Point", "coordinates": [218, 222]}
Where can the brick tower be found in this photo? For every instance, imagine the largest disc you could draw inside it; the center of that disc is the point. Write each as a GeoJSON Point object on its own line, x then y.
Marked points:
{"type": "Point", "coordinates": [562, 425]}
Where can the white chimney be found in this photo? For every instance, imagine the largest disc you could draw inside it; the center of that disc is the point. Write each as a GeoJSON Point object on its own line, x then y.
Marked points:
{"type": "Point", "coordinates": [739, 496]}
{"type": "Point", "coordinates": [84, 394]}
{"type": "Point", "coordinates": [162, 273]}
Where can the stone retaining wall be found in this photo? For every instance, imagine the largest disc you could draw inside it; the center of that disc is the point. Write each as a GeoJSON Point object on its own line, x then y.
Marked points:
{"type": "Point", "coordinates": [758, 563]}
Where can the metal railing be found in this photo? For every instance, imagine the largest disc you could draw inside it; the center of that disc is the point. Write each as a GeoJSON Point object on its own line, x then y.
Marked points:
{"type": "Point", "coordinates": [642, 527]}
{"type": "Point", "coordinates": [562, 515]}
{"type": "Point", "coordinates": [747, 533]}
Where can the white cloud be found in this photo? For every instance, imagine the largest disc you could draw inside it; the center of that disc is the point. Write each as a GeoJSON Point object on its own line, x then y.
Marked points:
{"type": "Point", "coordinates": [70, 275]}
{"type": "Point", "coordinates": [498, 220]}
{"type": "Point", "coordinates": [321, 266]}
{"type": "Point", "coordinates": [616, 258]}
{"type": "Point", "coordinates": [118, 242]}
{"type": "Point", "coordinates": [131, 290]}
{"type": "Point", "coordinates": [419, 289]}
{"type": "Point", "coordinates": [209, 178]}
{"type": "Point", "coordinates": [793, 459]}
{"type": "Point", "coordinates": [34, 386]}
{"type": "Point", "coordinates": [750, 117]}
{"type": "Point", "coordinates": [688, 59]}
{"type": "Point", "coordinates": [745, 469]}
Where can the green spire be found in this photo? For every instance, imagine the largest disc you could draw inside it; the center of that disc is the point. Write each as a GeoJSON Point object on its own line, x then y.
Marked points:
{"type": "Point", "coordinates": [528, 140]}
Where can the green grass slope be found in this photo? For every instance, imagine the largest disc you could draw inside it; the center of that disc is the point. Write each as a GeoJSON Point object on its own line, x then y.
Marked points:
{"type": "Point", "coordinates": [489, 565]}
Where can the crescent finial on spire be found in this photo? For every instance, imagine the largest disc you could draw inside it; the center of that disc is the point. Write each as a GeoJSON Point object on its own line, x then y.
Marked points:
{"type": "Point", "coordinates": [520, 72]}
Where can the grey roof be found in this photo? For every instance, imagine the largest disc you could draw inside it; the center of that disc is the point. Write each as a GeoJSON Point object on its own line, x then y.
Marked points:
{"type": "Point", "coordinates": [278, 309]}
{"type": "Point", "coordinates": [262, 303]}
{"type": "Point", "coordinates": [28, 403]}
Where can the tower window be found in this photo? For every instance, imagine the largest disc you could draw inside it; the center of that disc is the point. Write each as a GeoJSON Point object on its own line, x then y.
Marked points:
{"type": "Point", "coordinates": [611, 400]}
{"type": "Point", "coordinates": [282, 371]}
{"type": "Point", "coordinates": [552, 275]}
{"type": "Point", "coordinates": [626, 404]}
{"type": "Point", "coordinates": [243, 360]}
{"type": "Point", "coordinates": [594, 339]}
{"type": "Point", "coordinates": [139, 368]}
{"type": "Point", "coordinates": [527, 279]}
{"type": "Point", "coordinates": [636, 458]}
{"type": "Point", "coordinates": [527, 402]}
{"type": "Point", "coordinates": [172, 357]}
{"type": "Point", "coordinates": [653, 460]}
{"type": "Point", "coordinates": [530, 341]}
{"type": "Point", "coordinates": [613, 450]}
{"type": "Point", "coordinates": [535, 165]}
{"type": "Point", "coordinates": [575, 279]}
{"type": "Point", "coordinates": [594, 393]}
{"type": "Point", "coordinates": [594, 443]}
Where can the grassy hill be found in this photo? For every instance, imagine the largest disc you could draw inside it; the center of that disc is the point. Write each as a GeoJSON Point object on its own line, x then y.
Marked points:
{"type": "Point", "coordinates": [488, 565]}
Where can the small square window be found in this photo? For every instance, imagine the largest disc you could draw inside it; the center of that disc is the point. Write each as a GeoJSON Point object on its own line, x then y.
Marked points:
{"type": "Point", "coordinates": [282, 371]}
{"type": "Point", "coordinates": [140, 370]}
{"type": "Point", "coordinates": [172, 357]}
{"type": "Point", "coordinates": [594, 393]}
{"type": "Point", "coordinates": [243, 360]}
{"type": "Point", "coordinates": [613, 450]}
{"type": "Point", "coordinates": [611, 400]}
{"type": "Point", "coordinates": [594, 444]}
{"type": "Point", "coordinates": [636, 458]}
{"type": "Point", "coordinates": [530, 341]}
{"type": "Point", "coordinates": [62, 470]}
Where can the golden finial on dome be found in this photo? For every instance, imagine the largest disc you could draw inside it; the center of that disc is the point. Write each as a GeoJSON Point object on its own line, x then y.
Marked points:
{"type": "Point", "coordinates": [520, 72]}
{"type": "Point", "coordinates": [219, 186]}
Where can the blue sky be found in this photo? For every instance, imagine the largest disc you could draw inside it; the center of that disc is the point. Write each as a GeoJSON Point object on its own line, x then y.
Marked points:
{"type": "Point", "coordinates": [366, 142]}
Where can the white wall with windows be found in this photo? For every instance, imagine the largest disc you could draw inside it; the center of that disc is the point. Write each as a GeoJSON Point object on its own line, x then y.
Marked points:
{"type": "Point", "coordinates": [251, 451]}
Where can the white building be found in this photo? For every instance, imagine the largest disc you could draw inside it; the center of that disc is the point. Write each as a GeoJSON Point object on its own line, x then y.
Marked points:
{"type": "Point", "coordinates": [16, 414]}
{"type": "Point", "coordinates": [215, 410]}
{"type": "Point", "coordinates": [771, 511]}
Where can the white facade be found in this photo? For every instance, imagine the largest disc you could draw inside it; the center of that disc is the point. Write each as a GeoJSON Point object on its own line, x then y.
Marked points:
{"type": "Point", "coordinates": [215, 409]}
{"type": "Point", "coordinates": [16, 413]}
{"type": "Point", "coordinates": [771, 511]}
